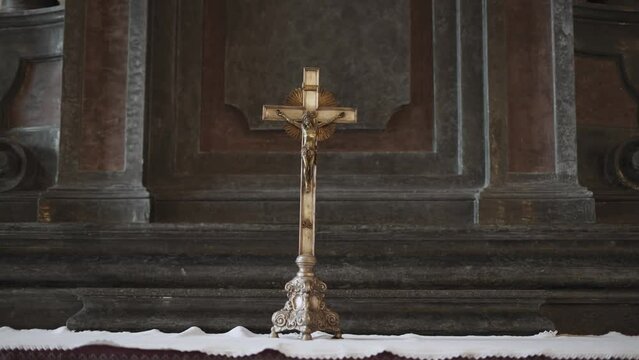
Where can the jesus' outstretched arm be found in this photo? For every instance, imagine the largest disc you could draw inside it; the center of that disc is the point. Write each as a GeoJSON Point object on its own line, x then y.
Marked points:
{"type": "Point", "coordinates": [288, 120]}
{"type": "Point", "coordinates": [337, 117]}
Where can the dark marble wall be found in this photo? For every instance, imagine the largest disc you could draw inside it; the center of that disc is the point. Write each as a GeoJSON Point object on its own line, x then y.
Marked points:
{"type": "Point", "coordinates": [204, 157]}
{"type": "Point", "coordinates": [206, 164]}
{"type": "Point", "coordinates": [410, 128]}
{"type": "Point", "coordinates": [104, 86]}
{"type": "Point", "coordinates": [361, 46]}
{"type": "Point", "coordinates": [530, 87]}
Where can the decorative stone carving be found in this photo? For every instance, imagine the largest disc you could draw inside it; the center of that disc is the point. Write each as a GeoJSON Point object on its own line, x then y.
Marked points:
{"type": "Point", "coordinates": [16, 170]}
{"type": "Point", "coordinates": [622, 164]}
{"type": "Point", "coordinates": [18, 5]}
{"type": "Point", "coordinates": [34, 97]}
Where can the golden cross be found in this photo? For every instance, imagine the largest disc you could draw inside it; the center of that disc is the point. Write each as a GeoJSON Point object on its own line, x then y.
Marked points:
{"type": "Point", "coordinates": [310, 121]}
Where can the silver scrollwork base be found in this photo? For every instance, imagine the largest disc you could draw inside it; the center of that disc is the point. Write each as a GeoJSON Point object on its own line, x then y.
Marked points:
{"type": "Point", "coordinates": [305, 311]}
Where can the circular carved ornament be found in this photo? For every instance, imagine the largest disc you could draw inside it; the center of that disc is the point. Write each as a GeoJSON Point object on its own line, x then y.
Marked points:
{"type": "Point", "coordinates": [14, 165]}
{"type": "Point", "coordinates": [623, 164]}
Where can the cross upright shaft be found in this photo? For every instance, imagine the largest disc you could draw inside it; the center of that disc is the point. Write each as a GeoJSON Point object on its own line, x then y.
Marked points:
{"type": "Point", "coordinates": [309, 118]}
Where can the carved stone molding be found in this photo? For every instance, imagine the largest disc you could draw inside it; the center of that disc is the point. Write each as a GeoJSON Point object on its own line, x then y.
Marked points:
{"type": "Point", "coordinates": [622, 164]}
{"type": "Point", "coordinates": [34, 97]}
{"type": "Point", "coordinates": [17, 168]}
{"type": "Point", "coordinates": [21, 5]}
{"type": "Point", "coordinates": [384, 279]}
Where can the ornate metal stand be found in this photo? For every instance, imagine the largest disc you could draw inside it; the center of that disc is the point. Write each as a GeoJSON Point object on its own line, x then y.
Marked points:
{"type": "Point", "coordinates": [305, 311]}
{"type": "Point", "coordinates": [311, 115]}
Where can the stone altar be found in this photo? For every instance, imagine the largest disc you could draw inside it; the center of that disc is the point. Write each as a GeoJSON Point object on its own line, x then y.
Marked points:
{"type": "Point", "coordinates": [479, 226]}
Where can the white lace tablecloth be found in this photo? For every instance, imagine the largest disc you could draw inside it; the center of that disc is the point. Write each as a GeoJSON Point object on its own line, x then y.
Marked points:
{"type": "Point", "coordinates": [242, 342]}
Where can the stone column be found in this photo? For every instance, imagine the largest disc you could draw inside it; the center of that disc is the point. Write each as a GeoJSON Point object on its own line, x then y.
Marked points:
{"type": "Point", "coordinates": [101, 131]}
{"type": "Point", "coordinates": [532, 177]}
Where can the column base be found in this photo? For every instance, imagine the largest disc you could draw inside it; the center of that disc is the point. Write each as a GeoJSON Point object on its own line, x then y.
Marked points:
{"type": "Point", "coordinates": [540, 203]}
{"type": "Point", "coordinates": [94, 205]}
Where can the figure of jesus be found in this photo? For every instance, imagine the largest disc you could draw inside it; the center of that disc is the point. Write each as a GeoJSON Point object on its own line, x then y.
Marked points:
{"type": "Point", "coordinates": [309, 126]}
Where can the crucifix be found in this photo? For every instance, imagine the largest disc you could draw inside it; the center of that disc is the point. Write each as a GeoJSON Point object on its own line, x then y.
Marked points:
{"type": "Point", "coordinates": [310, 115]}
